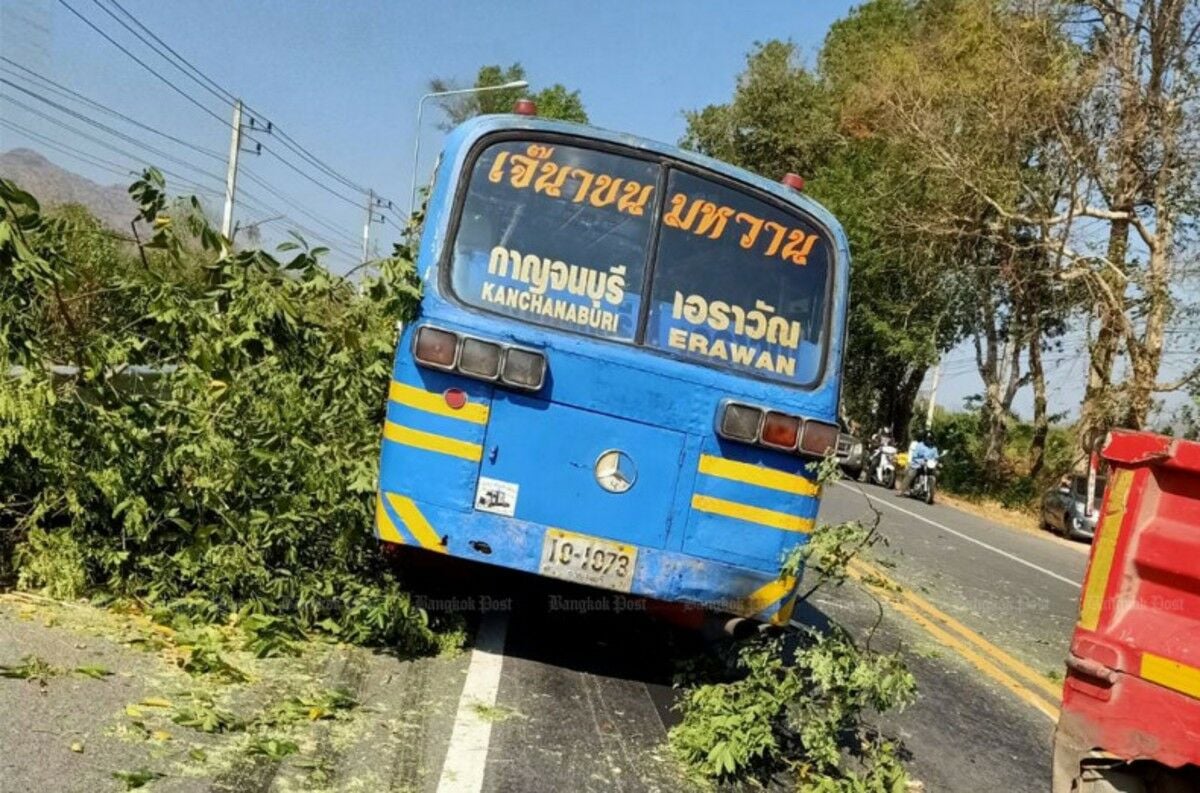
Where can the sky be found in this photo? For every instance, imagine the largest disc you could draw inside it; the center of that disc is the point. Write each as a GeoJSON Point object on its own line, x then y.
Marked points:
{"type": "Point", "coordinates": [343, 80]}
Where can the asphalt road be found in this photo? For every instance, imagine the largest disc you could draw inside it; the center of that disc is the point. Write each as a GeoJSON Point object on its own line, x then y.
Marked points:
{"type": "Point", "coordinates": [572, 694]}
{"type": "Point", "coordinates": [568, 688]}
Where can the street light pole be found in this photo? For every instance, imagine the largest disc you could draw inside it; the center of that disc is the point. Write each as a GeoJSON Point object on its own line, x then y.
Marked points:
{"type": "Point", "coordinates": [412, 203]}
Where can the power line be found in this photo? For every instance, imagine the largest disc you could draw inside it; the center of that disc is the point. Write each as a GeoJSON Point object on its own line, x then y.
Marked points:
{"type": "Point", "coordinates": [99, 162]}
{"type": "Point", "coordinates": [261, 205]}
{"type": "Point", "coordinates": [106, 144]}
{"type": "Point", "coordinates": [290, 142]}
{"type": "Point", "coordinates": [214, 88]}
{"type": "Point", "coordinates": [251, 202]}
{"type": "Point", "coordinates": [144, 65]}
{"type": "Point", "coordinates": [194, 74]}
{"type": "Point", "coordinates": [116, 133]}
{"type": "Point", "coordinates": [146, 127]}
{"type": "Point", "coordinates": [62, 90]}
{"type": "Point", "coordinates": [167, 53]}
{"type": "Point", "coordinates": [309, 177]}
{"type": "Point", "coordinates": [315, 218]}
{"type": "Point", "coordinates": [108, 165]}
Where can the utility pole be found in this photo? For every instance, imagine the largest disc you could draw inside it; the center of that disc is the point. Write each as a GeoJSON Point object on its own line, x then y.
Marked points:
{"type": "Point", "coordinates": [367, 224]}
{"type": "Point", "coordinates": [235, 147]}
{"type": "Point", "coordinates": [937, 375]}
{"type": "Point", "coordinates": [373, 202]}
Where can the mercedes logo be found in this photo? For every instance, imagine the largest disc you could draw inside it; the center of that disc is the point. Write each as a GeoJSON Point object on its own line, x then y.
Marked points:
{"type": "Point", "coordinates": [615, 471]}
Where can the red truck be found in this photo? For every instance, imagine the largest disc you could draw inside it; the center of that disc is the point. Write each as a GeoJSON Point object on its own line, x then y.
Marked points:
{"type": "Point", "coordinates": [1130, 720]}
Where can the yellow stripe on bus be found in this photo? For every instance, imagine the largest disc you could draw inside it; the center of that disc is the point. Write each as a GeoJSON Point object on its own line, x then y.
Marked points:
{"type": "Point", "coordinates": [764, 517]}
{"type": "Point", "coordinates": [768, 593]}
{"type": "Point", "coordinates": [383, 523]}
{"type": "Point", "coordinates": [419, 398]}
{"type": "Point", "coordinates": [398, 433]}
{"type": "Point", "coordinates": [415, 522]}
{"type": "Point", "coordinates": [757, 475]}
{"type": "Point", "coordinates": [1107, 535]}
{"type": "Point", "coordinates": [1176, 676]}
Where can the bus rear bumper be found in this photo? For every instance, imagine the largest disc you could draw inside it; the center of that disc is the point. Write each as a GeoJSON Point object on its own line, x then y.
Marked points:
{"type": "Point", "coordinates": [517, 544]}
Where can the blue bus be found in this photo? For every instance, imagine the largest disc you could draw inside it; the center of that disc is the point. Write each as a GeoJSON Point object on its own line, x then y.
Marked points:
{"type": "Point", "coordinates": [626, 357]}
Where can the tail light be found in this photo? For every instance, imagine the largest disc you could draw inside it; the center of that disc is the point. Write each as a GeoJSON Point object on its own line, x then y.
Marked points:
{"type": "Point", "coordinates": [775, 430]}
{"type": "Point", "coordinates": [484, 360]}
{"type": "Point", "coordinates": [780, 430]}
{"type": "Point", "coordinates": [819, 439]}
{"type": "Point", "coordinates": [479, 359]}
{"type": "Point", "coordinates": [740, 422]}
{"type": "Point", "coordinates": [524, 368]}
{"type": "Point", "coordinates": [435, 347]}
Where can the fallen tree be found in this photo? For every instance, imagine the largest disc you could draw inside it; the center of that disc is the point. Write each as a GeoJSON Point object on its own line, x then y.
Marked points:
{"type": "Point", "coordinates": [238, 478]}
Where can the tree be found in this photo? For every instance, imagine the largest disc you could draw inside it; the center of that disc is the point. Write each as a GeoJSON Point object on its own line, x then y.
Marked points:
{"type": "Point", "coordinates": [976, 93]}
{"type": "Point", "coordinates": [784, 117]}
{"type": "Point", "coordinates": [1139, 139]}
{"type": "Point", "coordinates": [554, 101]}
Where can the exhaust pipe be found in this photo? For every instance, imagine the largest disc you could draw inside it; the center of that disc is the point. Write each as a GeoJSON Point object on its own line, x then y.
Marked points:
{"type": "Point", "coordinates": [725, 626]}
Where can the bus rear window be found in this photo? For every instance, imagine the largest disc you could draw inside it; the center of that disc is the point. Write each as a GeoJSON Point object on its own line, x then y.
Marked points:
{"type": "Point", "coordinates": [556, 235]}
{"type": "Point", "coordinates": [739, 283]}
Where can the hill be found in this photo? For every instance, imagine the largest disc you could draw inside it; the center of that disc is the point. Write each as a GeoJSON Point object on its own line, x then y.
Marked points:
{"type": "Point", "coordinates": [53, 186]}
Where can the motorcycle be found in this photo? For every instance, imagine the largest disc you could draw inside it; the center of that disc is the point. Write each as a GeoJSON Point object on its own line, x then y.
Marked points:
{"type": "Point", "coordinates": [882, 468]}
{"type": "Point", "coordinates": [925, 482]}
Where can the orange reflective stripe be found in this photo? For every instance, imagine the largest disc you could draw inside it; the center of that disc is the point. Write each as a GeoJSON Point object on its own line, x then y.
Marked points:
{"type": "Point", "coordinates": [1107, 536]}
{"type": "Point", "coordinates": [1174, 675]}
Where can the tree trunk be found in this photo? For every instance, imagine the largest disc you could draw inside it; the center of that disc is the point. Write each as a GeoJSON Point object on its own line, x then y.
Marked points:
{"type": "Point", "coordinates": [1002, 383]}
{"type": "Point", "coordinates": [1145, 354]}
{"type": "Point", "coordinates": [902, 403]}
{"type": "Point", "coordinates": [1096, 411]}
{"type": "Point", "coordinates": [1041, 420]}
{"type": "Point", "coordinates": [1163, 117]}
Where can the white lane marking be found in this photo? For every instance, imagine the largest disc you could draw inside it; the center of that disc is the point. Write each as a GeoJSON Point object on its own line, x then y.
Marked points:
{"type": "Point", "coordinates": [966, 537]}
{"type": "Point", "coordinates": [466, 754]}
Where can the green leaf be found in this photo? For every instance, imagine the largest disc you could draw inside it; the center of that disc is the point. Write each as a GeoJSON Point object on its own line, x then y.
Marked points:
{"type": "Point", "coordinates": [95, 672]}
{"type": "Point", "coordinates": [137, 779]}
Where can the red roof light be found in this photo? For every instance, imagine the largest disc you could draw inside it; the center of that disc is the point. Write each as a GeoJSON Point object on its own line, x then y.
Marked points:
{"type": "Point", "coordinates": [794, 181]}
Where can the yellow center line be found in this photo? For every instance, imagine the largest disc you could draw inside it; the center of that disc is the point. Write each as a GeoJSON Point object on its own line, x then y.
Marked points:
{"type": "Point", "coordinates": [984, 656]}
{"type": "Point", "coordinates": [1005, 659]}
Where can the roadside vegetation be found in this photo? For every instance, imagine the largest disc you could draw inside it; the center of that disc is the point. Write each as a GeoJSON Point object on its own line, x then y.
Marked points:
{"type": "Point", "coordinates": [1013, 483]}
{"type": "Point", "coordinates": [1017, 177]}
{"type": "Point", "coordinates": [799, 710]}
{"type": "Point", "coordinates": [195, 428]}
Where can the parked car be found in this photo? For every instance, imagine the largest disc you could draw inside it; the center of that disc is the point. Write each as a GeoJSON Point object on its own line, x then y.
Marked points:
{"type": "Point", "coordinates": [1064, 507]}
{"type": "Point", "coordinates": [850, 454]}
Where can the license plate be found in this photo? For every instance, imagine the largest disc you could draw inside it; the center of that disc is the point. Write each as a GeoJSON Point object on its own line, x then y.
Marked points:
{"type": "Point", "coordinates": [588, 560]}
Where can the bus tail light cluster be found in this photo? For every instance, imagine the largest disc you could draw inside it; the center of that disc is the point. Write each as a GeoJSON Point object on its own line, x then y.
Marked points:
{"type": "Point", "coordinates": [775, 430]}
{"type": "Point", "coordinates": [479, 358]}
